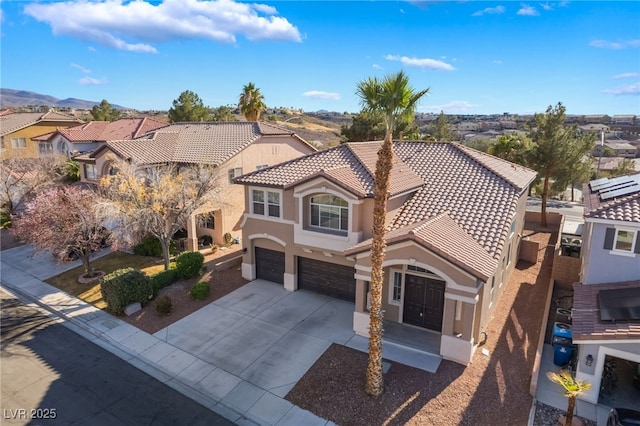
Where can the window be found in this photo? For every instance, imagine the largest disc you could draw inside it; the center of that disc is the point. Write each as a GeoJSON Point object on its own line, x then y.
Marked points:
{"type": "Point", "coordinates": [396, 290]}
{"type": "Point", "coordinates": [209, 221]}
{"type": "Point", "coordinates": [493, 285]}
{"type": "Point", "coordinates": [262, 166]}
{"type": "Point", "coordinates": [622, 241]}
{"type": "Point", "coordinates": [513, 227]}
{"type": "Point", "coordinates": [62, 147]}
{"type": "Point", "coordinates": [90, 171]}
{"type": "Point", "coordinates": [265, 202]}
{"type": "Point", "coordinates": [329, 212]}
{"type": "Point", "coordinates": [234, 173]}
{"type": "Point", "coordinates": [45, 148]}
{"type": "Point", "coordinates": [2, 144]}
{"type": "Point", "coordinates": [18, 142]}
{"type": "Point", "coordinates": [419, 269]}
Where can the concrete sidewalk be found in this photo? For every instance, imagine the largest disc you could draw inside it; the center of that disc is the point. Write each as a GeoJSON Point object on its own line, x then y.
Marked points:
{"type": "Point", "coordinates": [238, 356]}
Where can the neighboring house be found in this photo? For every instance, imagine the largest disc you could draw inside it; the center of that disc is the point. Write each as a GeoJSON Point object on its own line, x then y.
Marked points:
{"type": "Point", "coordinates": [619, 149]}
{"type": "Point", "coordinates": [90, 136]}
{"type": "Point", "coordinates": [606, 303]}
{"type": "Point", "coordinates": [18, 130]}
{"type": "Point", "coordinates": [234, 148]}
{"type": "Point", "coordinates": [455, 217]}
{"type": "Point", "coordinates": [623, 120]}
{"type": "Point", "coordinates": [608, 164]}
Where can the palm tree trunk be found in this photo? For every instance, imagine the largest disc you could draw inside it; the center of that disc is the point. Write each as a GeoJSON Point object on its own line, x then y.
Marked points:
{"type": "Point", "coordinates": [374, 383]}
{"type": "Point", "coordinates": [570, 410]}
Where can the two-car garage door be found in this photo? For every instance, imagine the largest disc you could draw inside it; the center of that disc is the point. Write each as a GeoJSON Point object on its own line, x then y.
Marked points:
{"type": "Point", "coordinates": [313, 275]}
{"type": "Point", "coordinates": [326, 278]}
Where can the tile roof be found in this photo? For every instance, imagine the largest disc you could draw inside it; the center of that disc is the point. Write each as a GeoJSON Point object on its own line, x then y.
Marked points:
{"type": "Point", "coordinates": [102, 131]}
{"type": "Point", "coordinates": [351, 166]}
{"type": "Point", "coordinates": [586, 323]}
{"type": "Point", "coordinates": [476, 191]}
{"type": "Point", "coordinates": [15, 121]}
{"type": "Point", "coordinates": [443, 236]}
{"type": "Point", "coordinates": [624, 208]}
{"type": "Point", "coordinates": [205, 143]}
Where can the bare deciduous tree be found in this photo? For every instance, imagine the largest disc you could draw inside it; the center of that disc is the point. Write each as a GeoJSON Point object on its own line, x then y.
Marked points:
{"type": "Point", "coordinates": [157, 200]}
{"type": "Point", "coordinates": [21, 179]}
{"type": "Point", "coordinates": [63, 221]}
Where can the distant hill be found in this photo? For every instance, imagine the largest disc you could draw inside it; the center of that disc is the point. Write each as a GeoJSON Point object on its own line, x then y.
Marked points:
{"type": "Point", "coordinates": [10, 98]}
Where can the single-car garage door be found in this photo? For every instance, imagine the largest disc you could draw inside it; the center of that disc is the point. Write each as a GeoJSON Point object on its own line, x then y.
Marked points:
{"type": "Point", "coordinates": [270, 265]}
{"type": "Point", "coordinates": [327, 278]}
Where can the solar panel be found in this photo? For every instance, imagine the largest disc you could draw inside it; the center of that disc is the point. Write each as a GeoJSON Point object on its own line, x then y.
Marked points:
{"type": "Point", "coordinates": [607, 183]}
{"type": "Point", "coordinates": [632, 189]}
{"type": "Point", "coordinates": [621, 304]}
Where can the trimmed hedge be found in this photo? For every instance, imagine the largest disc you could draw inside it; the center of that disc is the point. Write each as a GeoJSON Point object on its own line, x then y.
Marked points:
{"type": "Point", "coordinates": [189, 264]}
{"type": "Point", "coordinates": [125, 286]}
{"type": "Point", "coordinates": [200, 290]}
{"type": "Point", "coordinates": [163, 279]}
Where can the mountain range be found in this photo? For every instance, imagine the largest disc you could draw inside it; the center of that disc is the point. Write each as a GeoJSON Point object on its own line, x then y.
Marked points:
{"type": "Point", "coordinates": [10, 98]}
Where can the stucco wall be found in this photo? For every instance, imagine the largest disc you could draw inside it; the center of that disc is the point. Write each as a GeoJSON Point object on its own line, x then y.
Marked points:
{"type": "Point", "coordinates": [600, 265]}
{"type": "Point", "coordinates": [31, 150]}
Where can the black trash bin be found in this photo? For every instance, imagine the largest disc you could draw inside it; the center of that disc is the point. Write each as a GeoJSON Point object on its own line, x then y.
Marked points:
{"type": "Point", "coordinates": [562, 350]}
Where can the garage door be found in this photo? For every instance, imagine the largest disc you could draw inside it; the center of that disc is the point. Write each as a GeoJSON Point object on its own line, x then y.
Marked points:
{"type": "Point", "coordinates": [327, 278]}
{"type": "Point", "coordinates": [270, 265]}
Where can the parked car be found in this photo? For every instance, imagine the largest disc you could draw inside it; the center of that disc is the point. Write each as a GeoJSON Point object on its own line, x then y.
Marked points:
{"type": "Point", "coordinates": [623, 417]}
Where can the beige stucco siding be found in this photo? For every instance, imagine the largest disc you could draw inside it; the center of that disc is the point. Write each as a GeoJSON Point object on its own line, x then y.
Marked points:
{"type": "Point", "coordinates": [31, 150]}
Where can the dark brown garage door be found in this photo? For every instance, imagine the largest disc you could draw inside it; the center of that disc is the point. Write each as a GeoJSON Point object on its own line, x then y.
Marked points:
{"type": "Point", "coordinates": [270, 265]}
{"type": "Point", "coordinates": [327, 278]}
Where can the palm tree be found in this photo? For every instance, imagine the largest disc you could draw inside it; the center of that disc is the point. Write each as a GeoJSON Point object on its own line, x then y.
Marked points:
{"type": "Point", "coordinates": [572, 388]}
{"type": "Point", "coordinates": [394, 99]}
{"type": "Point", "coordinates": [251, 102]}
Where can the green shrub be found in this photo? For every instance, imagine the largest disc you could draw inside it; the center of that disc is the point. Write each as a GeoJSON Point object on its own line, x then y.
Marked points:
{"type": "Point", "coordinates": [150, 246]}
{"type": "Point", "coordinates": [189, 264]}
{"type": "Point", "coordinates": [164, 305]}
{"type": "Point", "coordinates": [163, 279]}
{"type": "Point", "coordinates": [200, 290]}
{"type": "Point", "coordinates": [5, 220]}
{"type": "Point", "coordinates": [125, 286]}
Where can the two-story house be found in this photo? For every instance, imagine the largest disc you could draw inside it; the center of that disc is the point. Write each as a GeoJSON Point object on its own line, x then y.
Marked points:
{"type": "Point", "coordinates": [232, 147]}
{"type": "Point", "coordinates": [18, 131]}
{"type": "Point", "coordinates": [90, 136]}
{"type": "Point", "coordinates": [454, 220]}
{"type": "Point", "coordinates": [606, 303]}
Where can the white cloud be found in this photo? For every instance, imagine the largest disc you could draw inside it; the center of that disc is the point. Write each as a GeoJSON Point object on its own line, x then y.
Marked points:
{"type": "Point", "coordinates": [615, 45]}
{"type": "Point", "coordinates": [453, 107]}
{"type": "Point", "coordinates": [376, 66]}
{"type": "Point", "coordinates": [319, 94]}
{"type": "Point", "coordinates": [427, 63]}
{"type": "Point", "coordinates": [490, 11]}
{"type": "Point", "coordinates": [134, 25]}
{"type": "Point", "coordinates": [81, 68]}
{"type": "Point", "coordinates": [90, 81]}
{"type": "Point", "coordinates": [526, 10]}
{"type": "Point", "coordinates": [630, 89]}
{"type": "Point", "coordinates": [546, 6]}
{"type": "Point", "coordinates": [626, 75]}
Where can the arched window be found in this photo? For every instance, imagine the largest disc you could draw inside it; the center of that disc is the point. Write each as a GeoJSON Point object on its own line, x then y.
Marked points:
{"type": "Point", "coordinates": [329, 212]}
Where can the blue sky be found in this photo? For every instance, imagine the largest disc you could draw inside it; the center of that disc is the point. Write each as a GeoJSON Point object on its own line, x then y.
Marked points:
{"type": "Point", "coordinates": [476, 57]}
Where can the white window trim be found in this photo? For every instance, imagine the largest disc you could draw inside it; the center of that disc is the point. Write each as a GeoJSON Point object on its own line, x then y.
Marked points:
{"type": "Point", "coordinates": [326, 229]}
{"type": "Point", "coordinates": [392, 273]}
{"type": "Point", "coordinates": [17, 144]}
{"type": "Point", "coordinates": [634, 238]}
{"type": "Point", "coordinates": [265, 192]}
{"type": "Point", "coordinates": [95, 171]}
{"type": "Point", "coordinates": [231, 173]}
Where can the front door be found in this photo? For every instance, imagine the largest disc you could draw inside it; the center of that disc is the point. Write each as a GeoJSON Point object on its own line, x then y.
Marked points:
{"type": "Point", "coordinates": [423, 302]}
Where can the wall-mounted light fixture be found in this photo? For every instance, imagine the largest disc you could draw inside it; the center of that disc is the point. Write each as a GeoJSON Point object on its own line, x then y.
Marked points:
{"type": "Point", "coordinates": [244, 250]}
{"type": "Point", "coordinates": [589, 360]}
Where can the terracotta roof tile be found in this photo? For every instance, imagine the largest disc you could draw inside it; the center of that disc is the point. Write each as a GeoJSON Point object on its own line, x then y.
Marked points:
{"type": "Point", "coordinates": [13, 122]}
{"type": "Point", "coordinates": [204, 143]}
{"type": "Point", "coordinates": [586, 323]}
{"type": "Point", "coordinates": [624, 208]}
{"type": "Point", "coordinates": [102, 131]}
{"type": "Point", "coordinates": [443, 236]}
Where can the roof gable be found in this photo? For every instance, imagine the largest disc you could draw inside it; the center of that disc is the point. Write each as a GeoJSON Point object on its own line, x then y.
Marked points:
{"type": "Point", "coordinates": [15, 121]}
{"type": "Point", "coordinates": [102, 131]}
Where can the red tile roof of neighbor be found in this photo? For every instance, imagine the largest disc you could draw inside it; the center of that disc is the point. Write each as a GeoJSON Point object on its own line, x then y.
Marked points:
{"type": "Point", "coordinates": [625, 208]}
{"type": "Point", "coordinates": [203, 143]}
{"type": "Point", "coordinates": [586, 323]}
{"type": "Point", "coordinates": [462, 204]}
{"type": "Point", "coordinates": [101, 131]}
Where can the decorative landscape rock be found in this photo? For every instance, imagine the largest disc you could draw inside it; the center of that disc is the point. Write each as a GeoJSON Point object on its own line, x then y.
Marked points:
{"type": "Point", "coordinates": [132, 308]}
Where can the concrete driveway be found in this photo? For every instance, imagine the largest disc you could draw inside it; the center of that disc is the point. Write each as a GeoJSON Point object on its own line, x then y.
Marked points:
{"type": "Point", "coordinates": [263, 335]}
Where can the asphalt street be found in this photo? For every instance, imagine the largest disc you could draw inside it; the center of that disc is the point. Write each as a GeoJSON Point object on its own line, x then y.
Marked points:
{"type": "Point", "coordinates": [52, 376]}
